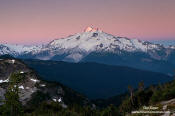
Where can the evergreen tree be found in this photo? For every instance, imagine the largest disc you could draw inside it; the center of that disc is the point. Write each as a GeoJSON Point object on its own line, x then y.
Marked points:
{"type": "Point", "coordinates": [141, 86]}
{"type": "Point", "coordinates": [12, 106]}
{"type": "Point", "coordinates": [131, 93]}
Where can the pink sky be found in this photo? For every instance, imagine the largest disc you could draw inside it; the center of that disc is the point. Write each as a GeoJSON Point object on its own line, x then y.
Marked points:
{"type": "Point", "coordinates": [40, 21]}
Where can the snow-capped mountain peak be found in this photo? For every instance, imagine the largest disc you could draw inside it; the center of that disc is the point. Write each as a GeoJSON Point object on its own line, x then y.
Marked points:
{"type": "Point", "coordinates": [94, 40]}
{"type": "Point", "coordinates": [78, 46]}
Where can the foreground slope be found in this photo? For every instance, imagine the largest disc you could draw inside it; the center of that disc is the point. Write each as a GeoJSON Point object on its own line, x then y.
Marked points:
{"type": "Point", "coordinates": [93, 79]}
{"type": "Point", "coordinates": [32, 89]}
{"type": "Point", "coordinates": [161, 97]}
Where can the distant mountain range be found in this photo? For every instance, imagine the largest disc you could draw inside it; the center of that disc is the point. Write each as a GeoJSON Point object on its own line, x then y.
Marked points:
{"type": "Point", "coordinates": [164, 42]}
{"type": "Point", "coordinates": [93, 79]}
{"type": "Point", "coordinates": [94, 45]}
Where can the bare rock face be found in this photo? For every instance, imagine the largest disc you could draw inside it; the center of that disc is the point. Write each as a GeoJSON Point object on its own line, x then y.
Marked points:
{"type": "Point", "coordinates": [27, 86]}
{"type": "Point", "coordinates": [8, 66]}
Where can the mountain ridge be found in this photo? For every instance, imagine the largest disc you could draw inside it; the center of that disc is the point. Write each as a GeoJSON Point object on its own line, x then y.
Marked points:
{"type": "Point", "coordinates": [93, 79]}
{"type": "Point", "coordinates": [94, 45]}
{"type": "Point", "coordinates": [90, 34]}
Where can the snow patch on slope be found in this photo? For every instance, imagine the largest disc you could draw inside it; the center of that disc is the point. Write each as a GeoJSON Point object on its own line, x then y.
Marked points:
{"type": "Point", "coordinates": [4, 81]}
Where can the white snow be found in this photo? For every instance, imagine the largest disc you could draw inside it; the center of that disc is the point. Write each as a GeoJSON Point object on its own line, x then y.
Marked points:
{"type": "Point", "coordinates": [172, 47]}
{"type": "Point", "coordinates": [76, 56]}
{"type": "Point", "coordinates": [81, 44]}
{"type": "Point", "coordinates": [22, 72]}
{"type": "Point", "coordinates": [21, 87]}
{"type": "Point", "coordinates": [4, 81]}
{"type": "Point", "coordinates": [57, 100]}
{"type": "Point", "coordinates": [34, 80]}
{"type": "Point", "coordinates": [5, 50]}
{"type": "Point", "coordinates": [22, 48]}
{"type": "Point", "coordinates": [13, 61]}
{"type": "Point", "coordinates": [42, 85]}
{"type": "Point", "coordinates": [139, 45]}
{"type": "Point", "coordinates": [15, 49]}
{"type": "Point", "coordinates": [88, 43]}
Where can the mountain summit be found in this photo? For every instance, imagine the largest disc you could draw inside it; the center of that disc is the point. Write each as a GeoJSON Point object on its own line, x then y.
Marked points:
{"type": "Point", "coordinates": [91, 29]}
